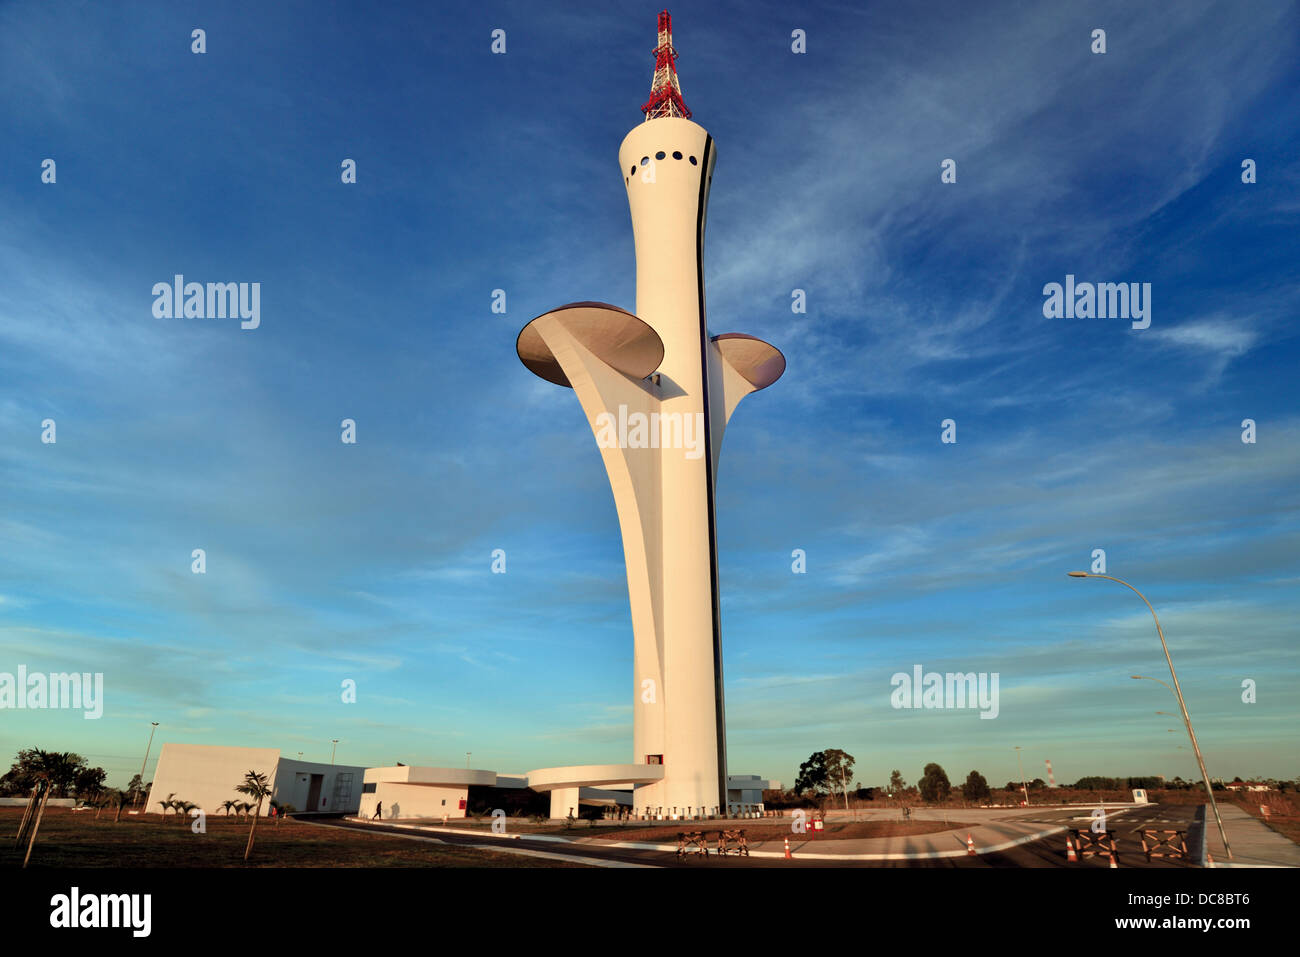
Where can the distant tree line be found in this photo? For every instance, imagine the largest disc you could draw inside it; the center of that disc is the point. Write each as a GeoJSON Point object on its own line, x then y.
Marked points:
{"type": "Point", "coordinates": [69, 775]}
{"type": "Point", "coordinates": [825, 777]}
{"type": "Point", "coordinates": [1118, 784]}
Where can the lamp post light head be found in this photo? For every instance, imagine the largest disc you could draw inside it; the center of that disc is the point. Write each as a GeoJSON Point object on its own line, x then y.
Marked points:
{"type": "Point", "coordinates": [1077, 574]}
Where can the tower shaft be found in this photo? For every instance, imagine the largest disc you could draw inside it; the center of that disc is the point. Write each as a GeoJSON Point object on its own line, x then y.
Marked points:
{"type": "Point", "coordinates": [661, 366]}
{"type": "Point", "coordinates": [668, 201]}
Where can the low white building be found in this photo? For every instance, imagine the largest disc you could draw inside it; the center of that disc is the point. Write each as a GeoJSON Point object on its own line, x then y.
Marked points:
{"type": "Point", "coordinates": [208, 775]}
{"type": "Point", "coordinates": [420, 792]}
{"type": "Point", "coordinates": [406, 792]}
{"type": "Point", "coordinates": [745, 793]}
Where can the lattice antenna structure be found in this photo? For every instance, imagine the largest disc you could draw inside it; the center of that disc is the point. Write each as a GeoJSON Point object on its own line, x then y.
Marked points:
{"type": "Point", "coordinates": [665, 90]}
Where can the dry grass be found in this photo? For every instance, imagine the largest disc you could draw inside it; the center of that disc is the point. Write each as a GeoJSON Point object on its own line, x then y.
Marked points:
{"type": "Point", "coordinates": [1283, 814]}
{"type": "Point", "coordinates": [78, 840]}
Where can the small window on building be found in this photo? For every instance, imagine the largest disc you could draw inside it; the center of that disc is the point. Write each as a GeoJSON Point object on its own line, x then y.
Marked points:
{"type": "Point", "coordinates": [444, 802]}
{"type": "Point", "coordinates": [368, 787]}
{"type": "Point", "coordinates": [654, 759]}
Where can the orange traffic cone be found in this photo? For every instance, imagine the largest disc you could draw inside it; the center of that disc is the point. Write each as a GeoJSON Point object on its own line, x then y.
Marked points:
{"type": "Point", "coordinates": [1069, 847]}
{"type": "Point", "coordinates": [787, 849]}
{"type": "Point", "coordinates": [970, 844]}
{"type": "Point", "coordinates": [1209, 857]}
{"type": "Point", "coordinates": [1112, 860]}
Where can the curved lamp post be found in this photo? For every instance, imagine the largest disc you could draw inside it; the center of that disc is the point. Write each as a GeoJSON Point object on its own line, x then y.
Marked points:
{"type": "Point", "coordinates": [1178, 692]}
{"type": "Point", "coordinates": [146, 756]}
{"type": "Point", "coordinates": [1023, 786]}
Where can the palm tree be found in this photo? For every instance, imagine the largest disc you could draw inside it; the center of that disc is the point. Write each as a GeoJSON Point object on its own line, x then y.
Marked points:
{"type": "Point", "coordinates": [167, 803]}
{"type": "Point", "coordinates": [60, 767]}
{"type": "Point", "coordinates": [120, 798]}
{"type": "Point", "coordinates": [109, 797]}
{"type": "Point", "coordinates": [228, 806]}
{"type": "Point", "coordinates": [183, 809]}
{"type": "Point", "coordinates": [244, 808]}
{"type": "Point", "coordinates": [255, 785]}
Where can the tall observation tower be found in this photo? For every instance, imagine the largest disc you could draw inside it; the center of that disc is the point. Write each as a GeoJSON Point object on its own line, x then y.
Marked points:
{"type": "Point", "coordinates": [658, 391]}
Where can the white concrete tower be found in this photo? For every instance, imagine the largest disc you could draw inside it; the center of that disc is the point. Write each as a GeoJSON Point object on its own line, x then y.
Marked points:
{"type": "Point", "coordinates": [658, 391]}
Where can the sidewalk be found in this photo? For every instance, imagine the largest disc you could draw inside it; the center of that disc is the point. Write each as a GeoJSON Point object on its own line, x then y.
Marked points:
{"type": "Point", "coordinates": [1254, 844]}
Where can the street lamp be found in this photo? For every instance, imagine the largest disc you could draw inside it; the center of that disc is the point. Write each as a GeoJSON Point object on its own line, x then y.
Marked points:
{"type": "Point", "coordinates": [334, 749]}
{"type": "Point", "coordinates": [1024, 787]}
{"type": "Point", "coordinates": [1178, 692]}
{"type": "Point", "coordinates": [147, 749]}
{"type": "Point", "coordinates": [1170, 730]}
{"type": "Point", "coordinates": [467, 754]}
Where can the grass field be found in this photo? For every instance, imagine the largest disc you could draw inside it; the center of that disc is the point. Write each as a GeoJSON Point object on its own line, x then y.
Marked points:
{"type": "Point", "coordinates": [1283, 813]}
{"type": "Point", "coordinates": [78, 840]}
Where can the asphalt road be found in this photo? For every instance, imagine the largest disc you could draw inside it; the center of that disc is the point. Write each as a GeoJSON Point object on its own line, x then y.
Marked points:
{"type": "Point", "coordinates": [1046, 852]}
{"type": "Point", "coordinates": [1125, 828]}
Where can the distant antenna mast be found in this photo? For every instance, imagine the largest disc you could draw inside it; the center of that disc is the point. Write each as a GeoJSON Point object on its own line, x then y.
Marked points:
{"type": "Point", "coordinates": [665, 91]}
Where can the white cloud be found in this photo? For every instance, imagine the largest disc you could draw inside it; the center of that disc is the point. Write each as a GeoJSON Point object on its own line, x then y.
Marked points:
{"type": "Point", "coordinates": [1219, 334]}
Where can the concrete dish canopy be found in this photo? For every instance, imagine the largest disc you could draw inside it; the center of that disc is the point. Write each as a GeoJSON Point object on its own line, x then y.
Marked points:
{"type": "Point", "coordinates": [613, 335]}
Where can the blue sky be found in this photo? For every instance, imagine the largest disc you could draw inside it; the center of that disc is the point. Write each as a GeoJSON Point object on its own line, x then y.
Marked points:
{"type": "Point", "coordinates": [478, 172]}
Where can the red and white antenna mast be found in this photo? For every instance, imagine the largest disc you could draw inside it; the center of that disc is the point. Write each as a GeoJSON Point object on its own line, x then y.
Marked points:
{"type": "Point", "coordinates": [665, 91]}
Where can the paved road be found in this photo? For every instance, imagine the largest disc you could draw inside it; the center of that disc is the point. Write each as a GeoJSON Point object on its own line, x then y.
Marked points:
{"type": "Point", "coordinates": [1045, 852]}
{"type": "Point", "coordinates": [1125, 828]}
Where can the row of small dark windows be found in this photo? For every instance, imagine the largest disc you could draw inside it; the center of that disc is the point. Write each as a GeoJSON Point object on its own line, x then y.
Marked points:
{"type": "Point", "coordinates": [677, 154]}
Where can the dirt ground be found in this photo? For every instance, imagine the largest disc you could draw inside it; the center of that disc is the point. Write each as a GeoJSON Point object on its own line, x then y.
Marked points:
{"type": "Point", "coordinates": [68, 839]}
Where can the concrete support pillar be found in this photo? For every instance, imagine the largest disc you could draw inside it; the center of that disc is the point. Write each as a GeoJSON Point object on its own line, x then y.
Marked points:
{"type": "Point", "coordinates": [564, 801]}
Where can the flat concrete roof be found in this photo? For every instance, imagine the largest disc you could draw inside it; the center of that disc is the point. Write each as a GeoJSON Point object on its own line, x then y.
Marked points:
{"type": "Point", "coordinates": [594, 776]}
{"type": "Point", "coordinates": [447, 777]}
